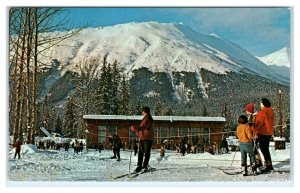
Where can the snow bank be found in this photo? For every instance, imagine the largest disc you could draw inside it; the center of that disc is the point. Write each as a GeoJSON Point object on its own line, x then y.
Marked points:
{"type": "Point", "coordinates": [28, 149]}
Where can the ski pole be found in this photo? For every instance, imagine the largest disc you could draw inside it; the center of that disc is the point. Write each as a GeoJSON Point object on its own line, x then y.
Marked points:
{"type": "Point", "coordinates": [234, 156]}
{"type": "Point", "coordinates": [130, 152]}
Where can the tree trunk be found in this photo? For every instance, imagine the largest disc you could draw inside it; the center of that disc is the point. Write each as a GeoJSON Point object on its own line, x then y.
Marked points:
{"type": "Point", "coordinates": [28, 105]}
{"type": "Point", "coordinates": [34, 81]}
{"type": "Point", "coordinates": [19, 97]}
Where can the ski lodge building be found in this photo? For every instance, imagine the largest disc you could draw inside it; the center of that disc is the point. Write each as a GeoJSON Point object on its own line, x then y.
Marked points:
{"type": "Point", "coordinates": [174, 129]}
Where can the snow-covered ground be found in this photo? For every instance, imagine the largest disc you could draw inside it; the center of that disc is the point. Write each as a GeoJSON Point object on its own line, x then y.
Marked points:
{"type": "Point", "coordinates": [60, 167]}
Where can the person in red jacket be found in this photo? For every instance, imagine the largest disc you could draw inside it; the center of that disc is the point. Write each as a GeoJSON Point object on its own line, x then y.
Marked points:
{"type": "Point", "coordinates": [17, 145]}
{"type": "Point", "coordinates": [263, 127]}
{"type": "Point", "coordinates": [145, 133]}
{"type": "Point", "coordinates": [249, 110]}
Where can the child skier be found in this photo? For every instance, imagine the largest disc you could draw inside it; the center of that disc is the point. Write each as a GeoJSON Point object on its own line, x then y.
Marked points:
{"type": "Point", "coordinates": [244, 135]}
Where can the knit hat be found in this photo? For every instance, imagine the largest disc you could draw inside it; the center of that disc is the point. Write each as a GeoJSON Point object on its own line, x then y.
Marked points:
{"type": "Point", "coordinates": [266, 102]}
{"type": "Point", "coordinates": [249, 107]}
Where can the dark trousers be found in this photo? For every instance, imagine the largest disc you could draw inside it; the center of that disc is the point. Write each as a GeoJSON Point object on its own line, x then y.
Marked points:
{"type": "Point", "coordinates": [144, 153]}
{"type": "Point", "coordinates": [264, 142]}
{"type": "Point", "coordinates": [17, 153]}
{"type": "Point", "coordinates": [116, 152]}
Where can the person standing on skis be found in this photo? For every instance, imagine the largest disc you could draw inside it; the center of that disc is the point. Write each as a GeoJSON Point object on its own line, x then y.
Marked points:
{"type": "Point", "coordinates": [244, 135]}
{"type": "Point", "coordinates": [116, 146]}
{"type": "Point", "coordinates": [249, 109]}
{"type": "Point", "coordinates": [145, 133]}
{"type": "Point", "coordinates": [263, 126]}
{"type": "Point", "coordinates": [17, 146]}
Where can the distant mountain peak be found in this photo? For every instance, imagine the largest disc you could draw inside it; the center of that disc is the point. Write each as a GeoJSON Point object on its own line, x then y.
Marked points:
{"type": "Point", "coordinates": [279, 58]}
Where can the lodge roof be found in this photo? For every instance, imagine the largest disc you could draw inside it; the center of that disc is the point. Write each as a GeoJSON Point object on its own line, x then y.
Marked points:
{"type": "Point", "coordinates": [156, 118]}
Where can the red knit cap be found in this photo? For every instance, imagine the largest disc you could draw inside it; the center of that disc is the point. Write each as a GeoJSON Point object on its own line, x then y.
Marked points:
{"type": "Point", "coordinates": [249, 107]}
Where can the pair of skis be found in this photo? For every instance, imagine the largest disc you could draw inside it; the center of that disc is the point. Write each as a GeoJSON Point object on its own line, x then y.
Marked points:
{"type": "Point", "coordinates": [133, 175]}
{"type": "Point", "coordinates": [238, 171]}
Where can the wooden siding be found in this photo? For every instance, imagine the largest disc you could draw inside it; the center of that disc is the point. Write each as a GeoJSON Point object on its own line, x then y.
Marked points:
{"type": "Point", "coordinates": [123, 127]}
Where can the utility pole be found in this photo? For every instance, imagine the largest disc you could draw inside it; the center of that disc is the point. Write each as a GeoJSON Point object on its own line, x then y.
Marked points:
{"type": "Point", "coordinates": [280, 113]}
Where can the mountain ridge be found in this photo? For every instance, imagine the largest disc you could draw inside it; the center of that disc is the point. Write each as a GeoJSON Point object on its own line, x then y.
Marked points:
{"type": "Point", "coordinates": [160, 47]}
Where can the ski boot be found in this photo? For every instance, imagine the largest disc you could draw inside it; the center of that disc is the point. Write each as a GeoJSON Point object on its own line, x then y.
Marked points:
{"type": "Point", "coordinates": [245, 173]}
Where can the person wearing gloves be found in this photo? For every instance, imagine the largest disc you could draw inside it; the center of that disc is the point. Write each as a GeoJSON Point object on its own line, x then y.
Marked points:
{"type": "Point", "coordinates": [249, 109]}
{"type": "Point", "coordinates": [145, 133]}
{"type": "Point", "coordinates": [263, 126]}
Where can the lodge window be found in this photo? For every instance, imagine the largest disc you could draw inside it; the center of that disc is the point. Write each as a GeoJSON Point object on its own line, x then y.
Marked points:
{"type": "Point", "coordinates": [104, 131]}
{"type": "Point", "coordinates": [112, 129]}
{"type": "Point", "coordinates": [102, 134]}
{"type": "Point", "coordinates": [195, 133]}
{"type": "Point", "coordinates": [155, 135]}
{"type": "Point", "coordinates": [163, 134]}
{"type": "Point", "coordinates": [174, 133]}
{"type": "Point", "coordinates": [184, 134]}
{"type": "Point", "coordinates": [205, 136]}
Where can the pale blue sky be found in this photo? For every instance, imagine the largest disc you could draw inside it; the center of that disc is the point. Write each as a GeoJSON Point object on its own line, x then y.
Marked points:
{"type": "Point", "coordinates": [259, 30]}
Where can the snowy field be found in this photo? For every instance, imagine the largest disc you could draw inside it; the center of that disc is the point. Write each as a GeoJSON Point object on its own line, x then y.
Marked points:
{"type": "Point", "coordinates": [60, 167]}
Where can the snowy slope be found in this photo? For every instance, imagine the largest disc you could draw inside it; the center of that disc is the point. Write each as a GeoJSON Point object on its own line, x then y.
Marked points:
{"type": "Point", "coordinates": [94, 167]}
{"type": "Point", "coordinates": [279, 58]}
{"type": "Point", "coordinates": [160, 47]}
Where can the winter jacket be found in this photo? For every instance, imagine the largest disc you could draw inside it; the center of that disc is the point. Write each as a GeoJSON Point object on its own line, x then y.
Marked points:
{"type": "Point", "coordinates": [115, 141]}
{"type": "Point", "coordinates": [264, 122]}
{"type": "Point", "coordinates": [17, 145]}
{"type": "Point", "coordinates": [244, 133]}
{"type": "Point", "coordinates": [145, 129]}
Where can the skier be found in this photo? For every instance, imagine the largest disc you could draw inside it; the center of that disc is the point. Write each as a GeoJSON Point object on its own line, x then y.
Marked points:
{"type": "Point", "coordinates": [263, 126]}
{"type": "Point", "coordinates": [17, 146]}
{"type": "Point", "coordinates": [80, 146]}
{"type": "Point", "coordinates": [76, 146]}
{"type": "Point", "coordinates": [244, 135]}
{"type": "Point", "coordinates": [249, 109]}
{"type": "Point", "coordinates": [162, 150]}
{"type": "Point", "coordinates": [116, 146]}
{"type": "Point", "coordinates": [182, 148]}
{"type": "Point", "coordinates": [224, 145]}
{"type": "Point", "coordinates": [100, 147]}
{"type": "Point", "coordinates": [145, 133]}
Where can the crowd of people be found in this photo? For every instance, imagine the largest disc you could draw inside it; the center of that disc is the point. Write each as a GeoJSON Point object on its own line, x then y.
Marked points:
{"type": "Point", "coordinates": [254, 131]}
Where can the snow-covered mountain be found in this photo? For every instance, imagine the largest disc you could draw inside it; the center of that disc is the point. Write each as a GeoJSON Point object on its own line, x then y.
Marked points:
{"type": "Point", "coordinates": [160, 47]}
{"type": "Point", "coordinates": [279, 61]}
{"type": "Point", "coordinates": [280, 57]}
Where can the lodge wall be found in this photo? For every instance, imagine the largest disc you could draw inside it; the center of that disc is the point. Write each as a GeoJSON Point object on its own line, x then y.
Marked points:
{"type": "Point", "coordinates": [195, 131]}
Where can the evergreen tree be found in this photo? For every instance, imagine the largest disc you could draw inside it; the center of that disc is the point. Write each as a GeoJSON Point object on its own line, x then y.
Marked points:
{"type": "Point", "coordinates": [69, 119]}
{"type": "Point", "coordinates": [58, 125]}
{"type": "Point", "coordinates": [229, 123]}
{"type": "Point", "coordinates": [46, 115]}
{"type": "Point", "coordinates": [204, 111]}
{"type": "Point", "coordinates": [124, 103]}
{"type": "Point", "coordinates": [108, 94]}
{"type": "Point", "coordinates": [168, 111]}
{"type": "Point", "coordinates": [101, 90]}
{"type": "Point", "coordinates": [137, 108]}
{"type": "Point", "coordinates": [158, 109]}
{"type": "Point", "coordinates": [116, 79]}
